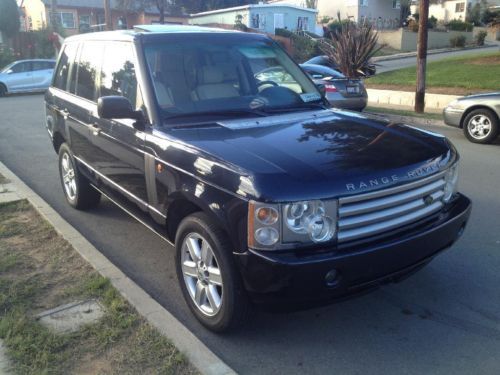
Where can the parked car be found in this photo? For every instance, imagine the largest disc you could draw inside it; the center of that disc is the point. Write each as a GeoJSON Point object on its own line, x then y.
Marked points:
{"type": "Point", "coordinates": [326, 61]}
{"type": "Point", "coordinates": [478, 115]}
{"type": "Point", "coordinates": [26, 76]}
{"type": "Point", "coordinates": [339, 90]}
{"type": "Point", "coordinates": [267, 193]}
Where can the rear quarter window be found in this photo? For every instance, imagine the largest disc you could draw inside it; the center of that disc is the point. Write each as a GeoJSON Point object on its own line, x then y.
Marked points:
{"type": "Point", "coordinates": [66, 58]}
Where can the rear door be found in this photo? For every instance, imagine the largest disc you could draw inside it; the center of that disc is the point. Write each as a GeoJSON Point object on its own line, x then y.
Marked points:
{"type": "Point", "coordinates": [42, 73]}
{"type": "Point", "coordinates": [118, 147]}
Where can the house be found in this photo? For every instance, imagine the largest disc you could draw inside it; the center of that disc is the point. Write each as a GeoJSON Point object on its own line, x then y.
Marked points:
{"type": "Point", "coordinates": [386, 12]}
{"type": "Point", "coordinates": [447, 10]}
{"type": "Point", "coordinates": [76, 16]}
{"type": "Point", "coordinates": [261, 17]}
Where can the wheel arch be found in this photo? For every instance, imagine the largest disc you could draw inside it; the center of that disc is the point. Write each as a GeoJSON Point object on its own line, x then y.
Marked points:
{"type": "Point", "coordinates": [473, 108]}
{"type": "Point", "coordinates": [57, 141]}
{"type": "Point", "coordinates": [4, 86]}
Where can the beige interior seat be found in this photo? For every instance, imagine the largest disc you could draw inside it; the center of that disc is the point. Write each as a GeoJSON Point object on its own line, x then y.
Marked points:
{"type": "Point", "coordinates": [212, 86]}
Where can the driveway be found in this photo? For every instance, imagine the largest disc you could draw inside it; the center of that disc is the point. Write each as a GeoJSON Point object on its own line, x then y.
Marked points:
{"type": "Point", "coordinates": [443, 320]}
{"type": "Point", "coordinates": [405, 62]}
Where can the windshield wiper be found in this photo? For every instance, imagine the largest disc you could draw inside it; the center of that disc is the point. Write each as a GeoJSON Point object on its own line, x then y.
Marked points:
{"type": "Point", "coordinates": [217, 113]}
{"type": "Point", "coordinates": [297, 108]}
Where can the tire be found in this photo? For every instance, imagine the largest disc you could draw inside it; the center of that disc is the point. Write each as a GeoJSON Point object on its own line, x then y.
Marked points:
{"type": "Point", "coordinates": [481, 126]}
{"type": "Point", "coordinates": [194, 275]}
{"type": "Point", "coordinates": [77, 189]}
{"type": "Point", "coordinates": [3, 90]}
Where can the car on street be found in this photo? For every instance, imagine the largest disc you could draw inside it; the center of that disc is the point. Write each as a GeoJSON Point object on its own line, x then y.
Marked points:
{"type": "Point", "coordinates": [340, 91]}
{"type": "Point", "coordinates": [324, 60]}
{"type": "Point", "coordinates": [478, 115]}
{"type": "Point", "coordinates": [26, 76]}
{"type": "Point", "coordinates": [268, 194]}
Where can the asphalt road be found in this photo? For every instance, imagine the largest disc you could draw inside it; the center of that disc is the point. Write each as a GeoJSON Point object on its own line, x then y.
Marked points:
{"type": "Point", "coordinates": [387, 66]}
{"type": "Point", "coordinates": [443, 320]}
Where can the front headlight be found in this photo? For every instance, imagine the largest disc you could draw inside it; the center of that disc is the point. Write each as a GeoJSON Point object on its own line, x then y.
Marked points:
{"type": "Point", "coordinates": [451, 180]}
{"type": "Point", "coordinates": [274, 226]}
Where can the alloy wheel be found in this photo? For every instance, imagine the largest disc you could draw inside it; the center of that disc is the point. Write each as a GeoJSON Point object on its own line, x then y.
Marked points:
{"type": "Point", "coordinates": [479, 126]}
{"type": "Point", "coordinates": [202, 274]}
{"type": "Point", "coordinates": [68, 176]}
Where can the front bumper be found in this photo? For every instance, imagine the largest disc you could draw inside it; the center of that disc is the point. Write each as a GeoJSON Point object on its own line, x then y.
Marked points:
{"type": "Point", "coordinates": [297, 277]}
{"type": "Point", "coordinates": [452, 116]}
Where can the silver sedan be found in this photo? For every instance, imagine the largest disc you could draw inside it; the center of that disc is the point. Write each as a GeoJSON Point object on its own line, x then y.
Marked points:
{"type": "Point", "coordinates": [478, 115]}
{"type": "Point", "coordinates": [26, 76]}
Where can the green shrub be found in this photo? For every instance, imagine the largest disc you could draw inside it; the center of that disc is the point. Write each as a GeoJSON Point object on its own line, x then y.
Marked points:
{"type": "Point", "coordinates": [459, 25]}
{"type": "Point", "coordinates": [284, 32]}
{"type": "Point", "coordinates": [432, 22]}
{"type": "Point", "coordinates": [457, 41]}
{"type": "Point", "coordinates": [480, 37]}
{"type": "Point", "coordinates": [304, 47]}
{"type": "Point", "coordinates": [6, 56]}
{"type": "Point", "coordinates": [413, 26]}
{"type": "Point", "coordinates": [336, 25]}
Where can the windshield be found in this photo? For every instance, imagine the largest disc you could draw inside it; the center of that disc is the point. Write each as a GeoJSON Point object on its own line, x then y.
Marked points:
{"type": "Point", "coordinates": [191, 74]}
{"type": "Point", "coordinates": [7, 68]}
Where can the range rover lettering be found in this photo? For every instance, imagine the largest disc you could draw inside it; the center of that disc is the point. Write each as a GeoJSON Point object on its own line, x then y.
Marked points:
{"type": "Point", "coordinates": [269, 195]}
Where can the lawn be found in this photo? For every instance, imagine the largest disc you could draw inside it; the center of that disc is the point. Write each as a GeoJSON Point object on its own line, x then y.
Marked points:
{"type": "Point", "coordinates": [40, 270]}
{"type": "Point", "coordinates": [454, 76]}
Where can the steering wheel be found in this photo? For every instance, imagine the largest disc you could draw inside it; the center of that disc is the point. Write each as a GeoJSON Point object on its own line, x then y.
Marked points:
{"type": "Point", "coordinates": [262, 83]}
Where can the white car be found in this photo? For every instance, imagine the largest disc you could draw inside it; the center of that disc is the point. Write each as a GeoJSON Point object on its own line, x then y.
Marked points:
{"type": "Point", "coordinates": [26, 76]}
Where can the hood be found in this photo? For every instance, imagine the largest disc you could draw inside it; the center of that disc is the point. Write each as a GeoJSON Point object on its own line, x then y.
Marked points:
{"type": "Point", "coordinates": [484, 95]}
{"type": "Point", "coordinates": [341, 154]}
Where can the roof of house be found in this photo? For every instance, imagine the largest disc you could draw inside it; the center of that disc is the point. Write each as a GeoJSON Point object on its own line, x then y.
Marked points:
{"type": "Point", "coordinates": [253, 6]}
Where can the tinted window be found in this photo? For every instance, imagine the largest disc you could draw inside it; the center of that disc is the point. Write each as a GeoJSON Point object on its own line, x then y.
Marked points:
{"type": "Point", "coordinates": [67, 57]}
{"type": "Point", "coordinates": [21, 67]}
{"type": "Point", "coordinates": [88, 66]}
{"type": "Point", "coordinates": [42, 65]}
{"type": "Point", "coordinates": [118, 73]}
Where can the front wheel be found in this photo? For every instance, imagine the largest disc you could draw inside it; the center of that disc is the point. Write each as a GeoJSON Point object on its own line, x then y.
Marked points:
{"type": "Point", "coordinates": [3, 90]}
{"type": "Point", "coordinates": [481, 126]}
{"type": "Point", "coordinates": [77, 189]}
{"type": "Point", "coordinates": [207, 274]}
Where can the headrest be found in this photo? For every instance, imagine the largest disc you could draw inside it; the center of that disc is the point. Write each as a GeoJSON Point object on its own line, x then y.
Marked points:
{"type": "Point", "coordinates": [211, 74]}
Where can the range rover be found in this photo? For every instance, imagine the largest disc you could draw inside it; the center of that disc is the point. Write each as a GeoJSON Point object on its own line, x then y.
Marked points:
{"type": "Point", "coordinates": [268, 194]}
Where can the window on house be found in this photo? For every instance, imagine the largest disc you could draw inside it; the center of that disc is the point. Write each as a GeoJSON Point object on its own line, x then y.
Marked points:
{"type": "Point", "coordinates": [85, 20]}
{"type": "Point", "coordinates": [363, 3]}
{"type": "Point", "coordinates": [459, 7]}
{"type": "Point", "coordinates": [303, 23]}
{"type": "Point", "coordinates": [396, 4]}
{"type": "Point", "coordinates": [65, 19]}
{"type": "Point", "coordinates": [258, 21]}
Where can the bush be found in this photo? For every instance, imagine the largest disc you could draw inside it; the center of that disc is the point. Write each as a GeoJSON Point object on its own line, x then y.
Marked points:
{"type": "Point", "coordinates": [457, 41]}
{"type": "Point", "coordinates": [304, 47]}
{"type": "Point", "coordinates": [337, 25]}
{"type": "Point", "coordinates": [432, 22]}
{"type": "Point", "coordinates": [6, 56]}
{"type": "Point", "coordinates": [459, 25]}
{"type": "Point", "coordinates": [284, 33]}
{"type": "Point", "coordinates": [480, 37]}
{"type": "Point", "coordinates": [413, 26]}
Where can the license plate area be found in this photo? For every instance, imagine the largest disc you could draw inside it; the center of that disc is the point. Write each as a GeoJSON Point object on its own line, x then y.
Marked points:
{"type": "Point", "coordinates": [352, 89]}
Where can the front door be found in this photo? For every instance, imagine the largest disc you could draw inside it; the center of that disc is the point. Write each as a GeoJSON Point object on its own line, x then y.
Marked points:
{"type": "Point", "coordinates": [279, 21]}
{"type": "Point", "coordinates": [20, 76]}
{"type": "Point", "coordinates": [119, 156]}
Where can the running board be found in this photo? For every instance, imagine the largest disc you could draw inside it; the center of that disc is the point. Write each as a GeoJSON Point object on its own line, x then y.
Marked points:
{"type": "Point", "coordinates": [144, 222]}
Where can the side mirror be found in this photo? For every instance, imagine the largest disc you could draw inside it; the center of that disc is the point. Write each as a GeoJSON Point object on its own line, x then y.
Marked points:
{"type": "Point", "coordinates": [119, 107]}
{"type": "Point", "coordinates": [321, 88]}
{"type": "Point", "coordinates": [10, 71]}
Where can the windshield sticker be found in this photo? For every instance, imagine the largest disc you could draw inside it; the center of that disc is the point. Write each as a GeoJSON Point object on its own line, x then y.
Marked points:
{"type": "Point", "coordinates": [257, 52]}
{"type": "Point", "coordinates": [310, 97]}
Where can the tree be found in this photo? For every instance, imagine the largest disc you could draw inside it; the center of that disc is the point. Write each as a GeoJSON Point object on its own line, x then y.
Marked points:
{"type": "Point", "coordinates": [311, 4]}
{"type": "Point", "coordinates": [9, 17]}
{"type": "Point", "coordinates": [351, 47]}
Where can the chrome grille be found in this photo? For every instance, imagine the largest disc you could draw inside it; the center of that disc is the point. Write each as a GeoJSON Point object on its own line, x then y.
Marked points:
{"type": "Point", "coordinates": [373, 213]}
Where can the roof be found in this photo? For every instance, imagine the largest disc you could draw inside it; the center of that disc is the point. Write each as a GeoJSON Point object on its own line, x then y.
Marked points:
{"type": "Point", "coordinates": [253, 6]}
{"type": "Point", "coordinates": [127, 35]}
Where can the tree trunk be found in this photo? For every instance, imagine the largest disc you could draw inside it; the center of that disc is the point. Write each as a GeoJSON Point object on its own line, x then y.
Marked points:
{"type": "Point", "coordinates": [421, 56]}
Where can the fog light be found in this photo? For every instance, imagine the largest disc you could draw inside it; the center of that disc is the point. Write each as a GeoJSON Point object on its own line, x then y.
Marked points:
{"type": "Point", "coordinates": [331, 278]}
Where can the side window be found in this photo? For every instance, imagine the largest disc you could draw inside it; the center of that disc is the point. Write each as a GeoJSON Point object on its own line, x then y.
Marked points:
{"type": "Point", "coordinates": [88, 66]}
{"type": "Point", "coordinates": [42, 65]}
{"type": "Point", "coordinates": [21, 67]}
{"type": "Point", "coordinates": [118, 73]}
{"type": "Point", "coordinates": [67, 57]}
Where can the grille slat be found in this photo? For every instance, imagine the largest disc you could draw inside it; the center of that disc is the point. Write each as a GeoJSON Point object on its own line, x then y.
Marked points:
{"type": "Point", "coordinates": [377, 212]}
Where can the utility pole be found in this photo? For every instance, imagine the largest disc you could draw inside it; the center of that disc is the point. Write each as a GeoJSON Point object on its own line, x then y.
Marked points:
{"type": "Point", "coordinates": [107, 15]}
{"type": "Point", "coordinates": [421, 55]}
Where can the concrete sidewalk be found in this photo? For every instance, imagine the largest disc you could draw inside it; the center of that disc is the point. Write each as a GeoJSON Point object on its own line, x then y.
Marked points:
{"type": "Point", "coordinates": [406, 100]}
{"type": "Point", "coordinates": [200, 356]}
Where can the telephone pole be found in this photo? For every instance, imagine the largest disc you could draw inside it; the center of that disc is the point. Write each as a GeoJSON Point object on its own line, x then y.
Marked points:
{"type": "Point", "coordinates": [421, 55]}
{"type": "Point", "coordinates": [107, 15]}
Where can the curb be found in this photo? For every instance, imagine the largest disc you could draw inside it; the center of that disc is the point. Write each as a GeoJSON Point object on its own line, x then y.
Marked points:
{"type": "Point", "coordinates": [410, 120]}
{"type": "Point", "coordinates": [200, 356]}
{"type": "Point", "coordinates": [430, 52]}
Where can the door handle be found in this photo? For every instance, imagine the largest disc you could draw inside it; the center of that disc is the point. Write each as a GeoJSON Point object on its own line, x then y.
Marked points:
{"type": "Point", "coordinates": [64, 113]}
{"type": "Point", "coordinates": [95, 129]}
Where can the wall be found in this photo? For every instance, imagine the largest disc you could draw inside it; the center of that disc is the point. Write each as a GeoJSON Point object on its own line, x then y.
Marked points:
{"type": "Point", "coordinates": [379, 8]}
{"type": "Point", "coordinates": [226, 18]}
{"type": "Point", "coordinates": [407, 40]}
{"type": "Point", "coordinates": [493, 33]}
{"type": "Point", "coordinates": [330, 8]}
{"type": "Point", "coordinates": [36, 10]}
